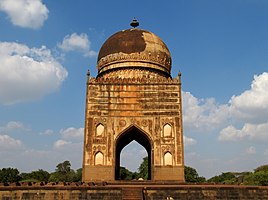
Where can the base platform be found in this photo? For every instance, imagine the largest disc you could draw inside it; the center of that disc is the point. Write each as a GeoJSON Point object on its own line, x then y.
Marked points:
{"type": "Point", "coordinates": [129, 190]}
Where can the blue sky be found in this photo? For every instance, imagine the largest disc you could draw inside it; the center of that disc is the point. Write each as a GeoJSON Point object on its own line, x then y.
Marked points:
{"type": "Point", "coordinates": [220, 46]}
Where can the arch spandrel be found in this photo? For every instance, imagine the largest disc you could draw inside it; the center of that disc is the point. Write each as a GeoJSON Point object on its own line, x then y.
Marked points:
{"type": "Point", "coordinates": [132, 126]}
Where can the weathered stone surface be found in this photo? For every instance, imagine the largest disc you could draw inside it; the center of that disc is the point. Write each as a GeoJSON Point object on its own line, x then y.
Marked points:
{"type": "Point", "coordinates": [133, 98]}
{"type": "Point", "coordinates": [148, 107]}
{"type": "Point", "coordinates": [207, 193]}
{"type": "Point", "coordinates": [145, 191]}
{"type": "Point", "coordinates": [134, 47]}
{"type": "Point", "coordinates": [63, 193]}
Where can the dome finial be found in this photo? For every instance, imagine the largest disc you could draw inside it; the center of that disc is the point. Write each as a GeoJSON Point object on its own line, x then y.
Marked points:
{"type": "Point", "coordinates": [134, 23]}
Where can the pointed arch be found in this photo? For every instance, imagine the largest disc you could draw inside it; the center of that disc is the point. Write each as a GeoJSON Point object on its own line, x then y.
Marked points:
{"type": "Point", "coordinates": [168, 158]}
{"type": "Point", "coordinates": [127, 136]}
{"type": "Point", "coordinates": [99, 158]}
{"type": "Point", "coordinates": [167, 130]}
{"type": "Point", "coordinates": [99, 130]}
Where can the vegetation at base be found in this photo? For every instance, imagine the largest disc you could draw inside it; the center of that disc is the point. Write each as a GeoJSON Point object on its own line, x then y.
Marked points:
{"type": "Point", "coordinates": [9, 175]}
{"type": "Point", "coordinates": [142, 173]}
{"type": "Point", "coordinates": [143, 169]}
{"type": "Point", "coordinates": [191, 175]}
{"type": "Point", "coordinates": [35, 176]}
{"type": "Point", "coordinates": [258, 177]}
{"type": "Point", "coordinates": [64, 173]}
{"type": "Point", "coordinates": [125, 174]}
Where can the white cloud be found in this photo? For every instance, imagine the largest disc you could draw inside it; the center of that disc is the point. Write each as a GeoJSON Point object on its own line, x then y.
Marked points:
{"type": "Point", "coordinates": [266, 152]}
{"type": "Point", "coordinates": [13, 152]}
{"type": "Point", "coordinates": [71, 141]}
{"type": "Point", "coordinates": [14, 125]}
{"type": "Point", "coordinates": [47, 132]}
{"type": "Point", "coordinates": [248, 110]}
{"type": "Point", "coordinates": [61, 143]}
{"type": "Point", "coordinates": [40, 159]}
{"type": "Point", "coordinates": [252, 105]}
{"type": "Point", "coordinates": [251, 150]}
{"type": "Point", "coordinates": [230, 133]}
{"type": "Point", "coordinates": [11, 126]}
{"type": "Point", "coordinates": [248, 132]}
{"type": "Point", "coordinates": [203, 114]}
{"type": "Point", "coordinates": [9, 143]}
{"type": "Point", "coordinates": [27, 73]}
{"type": "Point", "coordinates": [25, 13]}
{"type": "Point", "coordinates": [72, 133]}
{"type": "Point", "coordinates": [188, 141]}
{"type": "Point", "coordinates": [75, 42]}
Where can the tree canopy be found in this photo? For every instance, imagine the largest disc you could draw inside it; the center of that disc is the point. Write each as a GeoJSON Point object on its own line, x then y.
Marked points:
{"type": "Point", "coordinates": [258, 177]}
{"type": "Point", "coordinates": [39, 175]}
{"type": "Point", "coordinates": [191, 175]}
{"type": "Point", "coordinates": [9, 175]}
{"type": "Point", "coordinates": [143, 169]}
{"type": "Point", "coordinates": [64, 173]}
{"type": "Point", "coordinates": [125, 174]}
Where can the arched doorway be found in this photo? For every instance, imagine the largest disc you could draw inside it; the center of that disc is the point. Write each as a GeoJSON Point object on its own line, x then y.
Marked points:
{"type": "Point", "coordinates": [132, 133]}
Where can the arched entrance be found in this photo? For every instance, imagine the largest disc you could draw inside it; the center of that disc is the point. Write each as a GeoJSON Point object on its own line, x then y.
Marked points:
{"type": "Point", "coordinates": [132, 133]}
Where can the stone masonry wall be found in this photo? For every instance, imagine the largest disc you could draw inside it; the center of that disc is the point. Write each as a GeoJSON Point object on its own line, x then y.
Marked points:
{"type": "Point", "coordinates": [150, 192]}
{"type": "Point", "coordinates": [204, 192]}
{"type": "Point", "coordinates": [59, 193]}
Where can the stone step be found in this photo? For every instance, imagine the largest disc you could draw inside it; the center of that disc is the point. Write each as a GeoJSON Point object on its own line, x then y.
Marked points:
{"type": "Point", "coordinates": [132, 193]}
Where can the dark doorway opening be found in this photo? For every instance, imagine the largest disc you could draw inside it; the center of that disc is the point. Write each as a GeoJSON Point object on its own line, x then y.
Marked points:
{"type": "Point", "coordinates": [133, 133]}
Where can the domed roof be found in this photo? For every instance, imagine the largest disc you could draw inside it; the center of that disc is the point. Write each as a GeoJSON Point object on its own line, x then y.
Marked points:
{"type": "Point", "coordinates": [134, 48]}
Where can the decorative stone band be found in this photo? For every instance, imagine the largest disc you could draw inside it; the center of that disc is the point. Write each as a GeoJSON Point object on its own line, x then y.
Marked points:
{"type": "Point", "coordinates": [113, 80]}
{"type": "Point", "coordinates": [141, 59]}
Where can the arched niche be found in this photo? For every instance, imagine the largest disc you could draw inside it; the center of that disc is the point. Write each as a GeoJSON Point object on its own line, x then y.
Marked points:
{"type": "Point", "coordinates": [132, 133]}
{"type": "Point", "coordinates": [168, 158]}
{"type": "Point", "coordinates": [99, 130]}
{"type": "Point", "coordinates": [99, 158]}
{"type": "Point", "coordinates": [167, 130]}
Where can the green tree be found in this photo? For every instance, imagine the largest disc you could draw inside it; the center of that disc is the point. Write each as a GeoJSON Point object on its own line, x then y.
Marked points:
{"type": "Point", "coordinates": [249, 179]}
{"type": "Point", "coordinates": [261, 178]}
{"type": "Point", "coordinates": [64, 167]}
{"type": "Point", "coordinates": [226, 177]}
{"type": "Point", "coordinates": [240, 177]}
{"type": "Point", "coordinates": [9, 175]}
{"type": "Point", "coordinates": [78, 176]}
{"type": "Point", "coordinates": [39, 175]}
{"type": "Point", "coordinates": [63, 173]}
{"type": "Point", "coordinates": [143, 169]}
{"type": "Point", "coordinates": [191, 175]}
{"type": "Point", "coordinates": [125, 174]}
{"type": "Point", "coordinates": [257, 178]}
{"type": "Point", "coordinates": [261, 168]}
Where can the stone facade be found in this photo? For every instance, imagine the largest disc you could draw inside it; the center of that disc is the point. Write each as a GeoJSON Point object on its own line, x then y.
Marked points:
{"type": "Point", "coordinates": [133, 98]}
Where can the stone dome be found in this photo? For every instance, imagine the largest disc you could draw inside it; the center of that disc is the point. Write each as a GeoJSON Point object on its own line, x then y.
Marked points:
{"type": "Point", "coordinates": [134, 48]}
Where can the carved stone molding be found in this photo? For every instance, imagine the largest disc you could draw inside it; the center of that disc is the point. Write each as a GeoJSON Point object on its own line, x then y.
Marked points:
{"type": "Point", "coordinates": [162, 61]}
{"type": "Point", "coordinates": [101, 120]}
{"type": "Point", "coordinates": [122, 122]}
